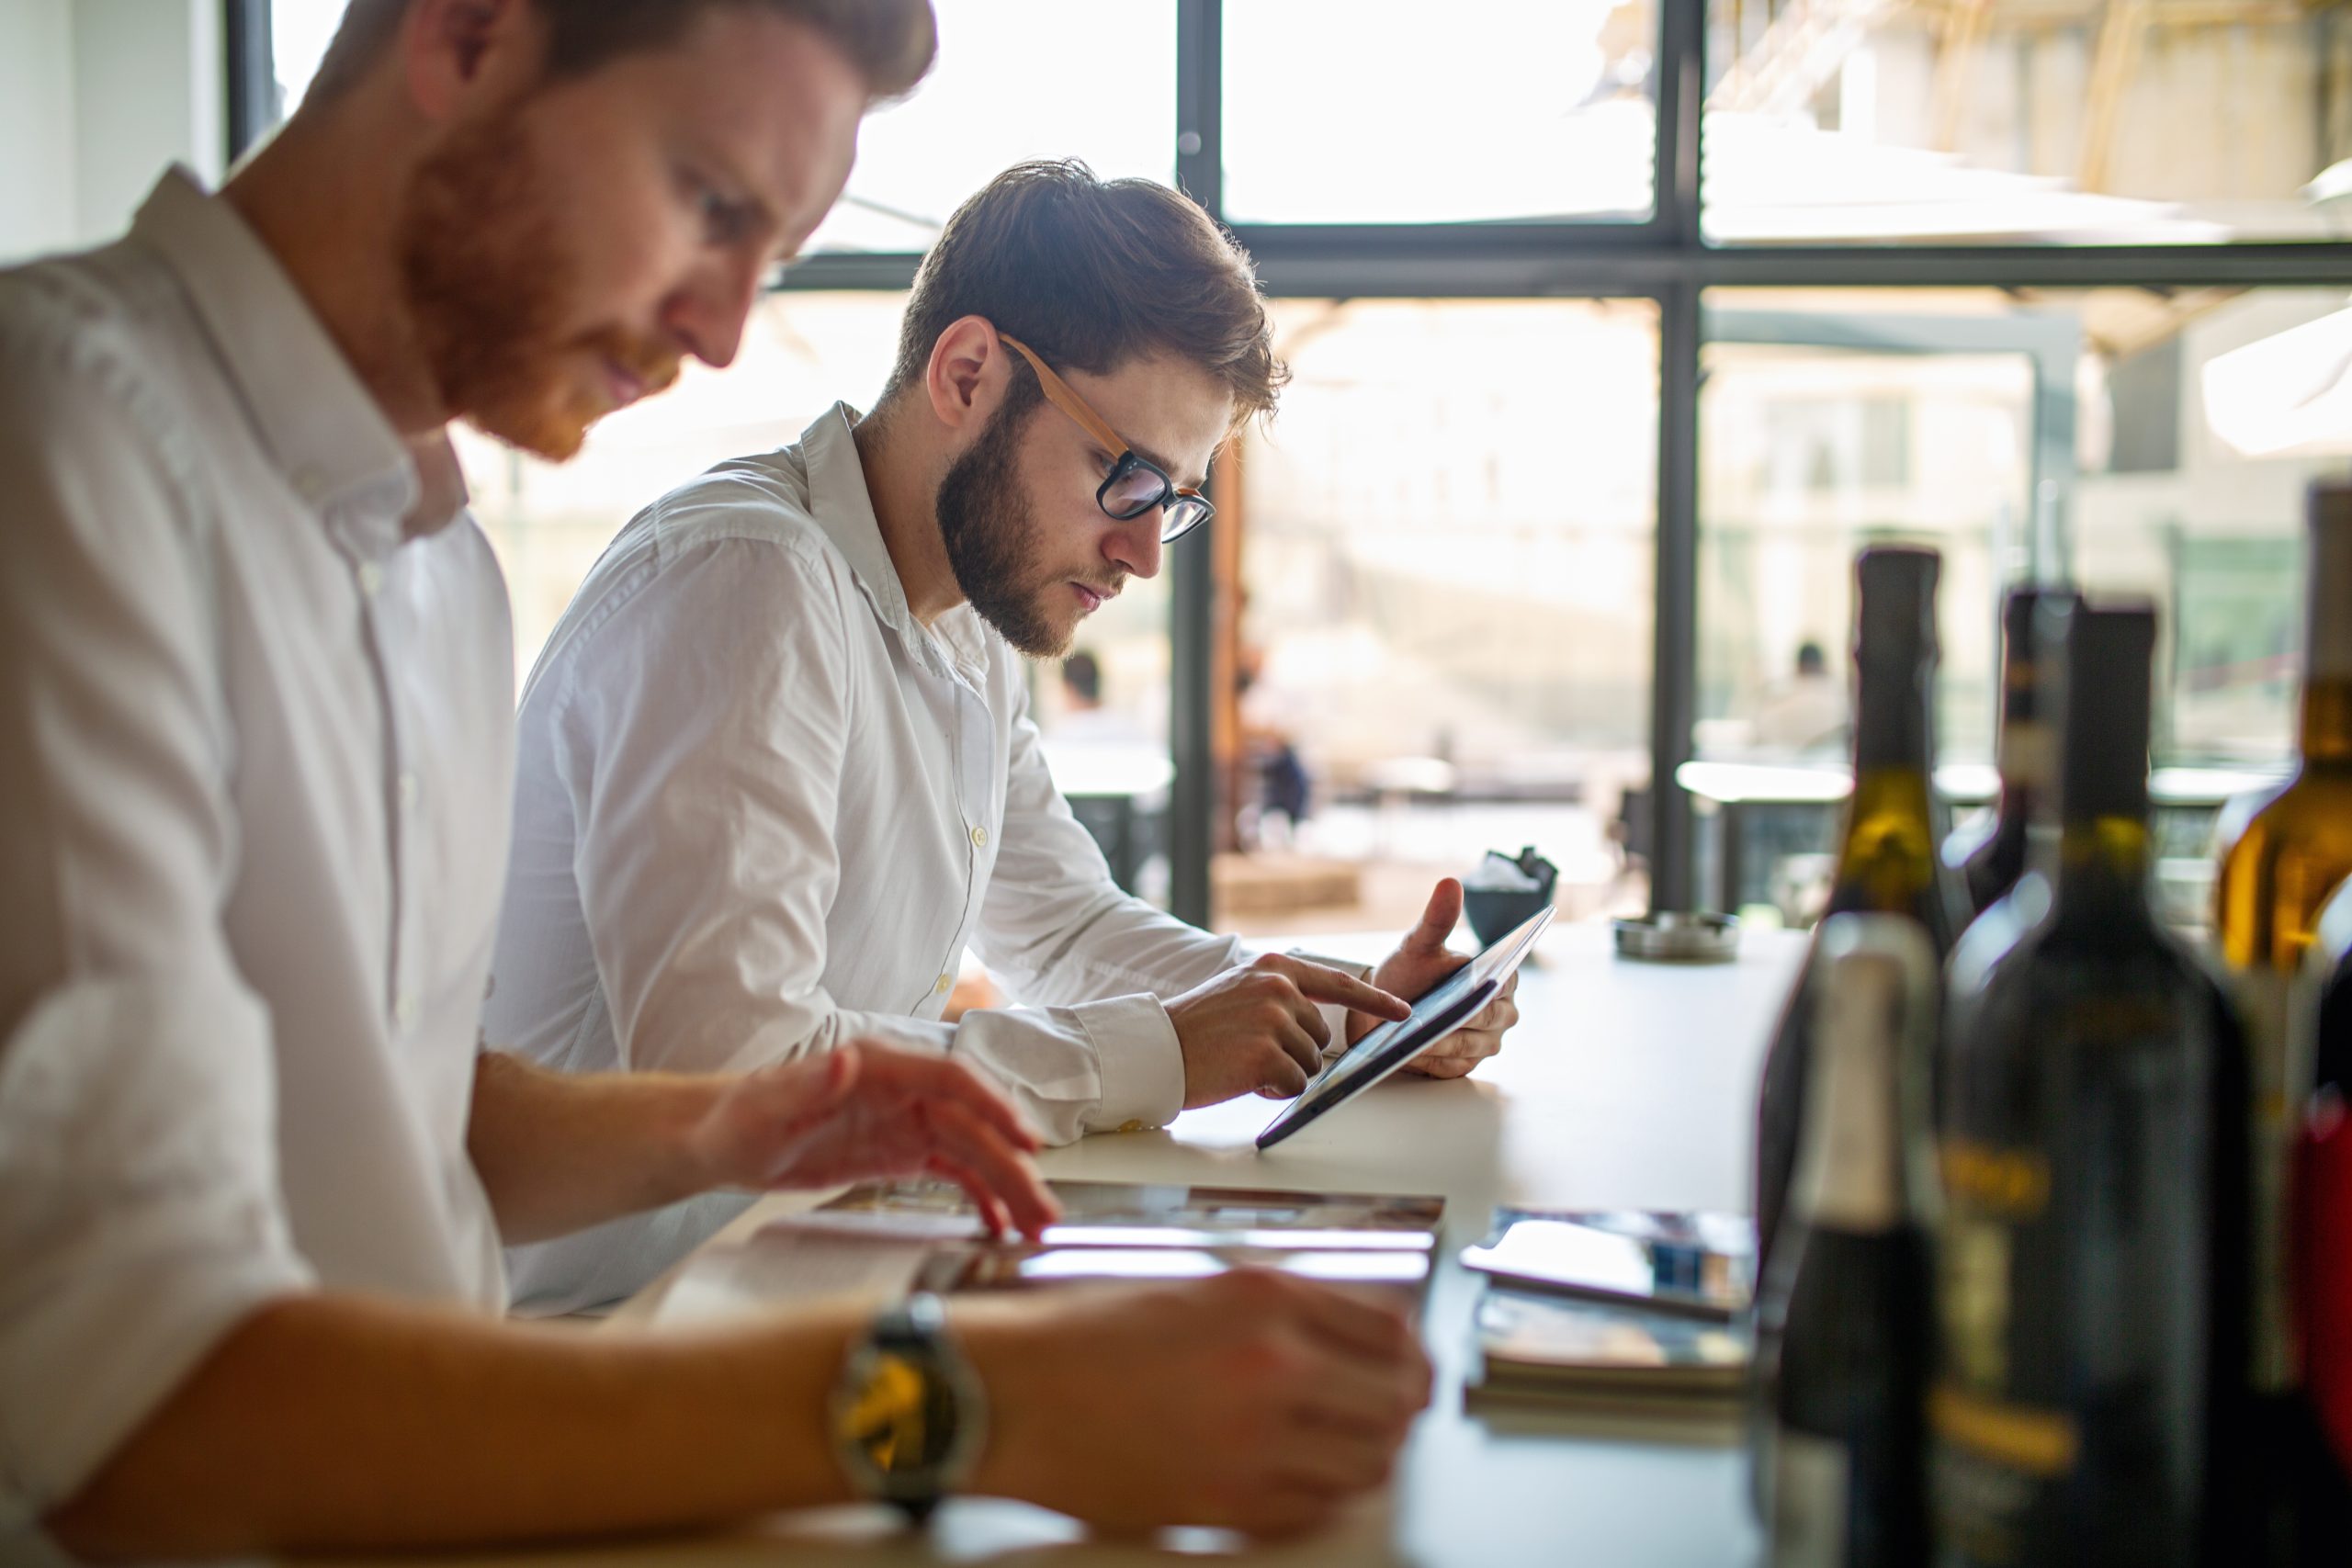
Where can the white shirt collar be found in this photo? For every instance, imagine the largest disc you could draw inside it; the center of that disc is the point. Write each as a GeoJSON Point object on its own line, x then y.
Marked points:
{"type": "Point", "coordinates": [305, 403]}
{"type": "Point", "coordinates": [843, 508]}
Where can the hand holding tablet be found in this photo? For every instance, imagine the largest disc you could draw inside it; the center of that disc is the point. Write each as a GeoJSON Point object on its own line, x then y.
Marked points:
{"type": "Point", "coordinates": [1445, 1008]}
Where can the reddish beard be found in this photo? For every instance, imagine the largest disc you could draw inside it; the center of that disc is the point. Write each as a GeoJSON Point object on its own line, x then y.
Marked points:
{"type": "Point", "coordinates": [491, 289]}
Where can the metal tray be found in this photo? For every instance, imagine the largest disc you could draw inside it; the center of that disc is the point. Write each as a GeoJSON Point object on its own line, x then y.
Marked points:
{"type": "Point", "coordinates": [1675, 936]}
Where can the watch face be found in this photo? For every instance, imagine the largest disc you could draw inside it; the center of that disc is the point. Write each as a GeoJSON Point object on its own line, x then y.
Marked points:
{"type": "Point", "coordinates": [898, 1415]}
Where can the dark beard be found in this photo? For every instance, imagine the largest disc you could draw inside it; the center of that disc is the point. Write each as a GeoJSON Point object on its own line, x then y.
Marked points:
{"type": "Point", "coordinates": [489, 282]}
{"type": "Point", "coordinates": [991, 535]}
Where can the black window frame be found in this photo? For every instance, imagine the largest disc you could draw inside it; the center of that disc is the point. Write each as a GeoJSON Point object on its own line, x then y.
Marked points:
{"type": "Point", "coordinates": [1664, 258]}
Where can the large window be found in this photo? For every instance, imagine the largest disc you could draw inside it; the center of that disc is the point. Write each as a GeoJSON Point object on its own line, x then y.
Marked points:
{"type": "Point", "coordinates": [1618, 326]}
{"type": "Point", "coordinates": [1446, 550]}
{"type": "Point", "coordinates": [1017, 79]}
{"type": "Point", "coordinates": [2136, 122]}
{"type": "Point", "coordinates": [1363, 111]}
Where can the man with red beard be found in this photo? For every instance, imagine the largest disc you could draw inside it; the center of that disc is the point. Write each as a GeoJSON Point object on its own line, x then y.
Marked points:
{"type": "Point", "coordinates": [777, 769]}
{"type": "Point", "coordinates": [255, 734]}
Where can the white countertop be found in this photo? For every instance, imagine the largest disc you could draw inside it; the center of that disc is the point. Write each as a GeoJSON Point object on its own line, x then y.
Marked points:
{"type": "Point", "coordinates": [1626, 1085]}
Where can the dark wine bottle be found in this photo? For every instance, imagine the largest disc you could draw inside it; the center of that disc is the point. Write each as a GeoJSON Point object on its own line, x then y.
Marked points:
{"type": "Point", "coordinates": [1887, 862]}
{"type": "Point", "coordinates": [2089, 1402]}
{"type": "Point", "coordinates": [1846, 1307]}
{"type": "Point", "coordinates": [1991, 857]}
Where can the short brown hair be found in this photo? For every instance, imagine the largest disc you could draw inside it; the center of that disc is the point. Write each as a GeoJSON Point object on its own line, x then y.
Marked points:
{"type": "Point", "coordinates": [1091, 273]}
{"type": "Point", "coordinates": [891, 42]}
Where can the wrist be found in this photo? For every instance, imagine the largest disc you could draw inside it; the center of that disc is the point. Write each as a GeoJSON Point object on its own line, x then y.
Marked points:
{"type": "Point", "coordinates": [693, 1153]}
{"type": "Point", "coordinates": [1004, 1357]}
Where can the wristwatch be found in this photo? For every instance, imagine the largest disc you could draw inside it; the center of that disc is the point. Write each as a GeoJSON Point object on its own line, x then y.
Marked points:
{"type": "Point", "coordinates": [908, 1414]}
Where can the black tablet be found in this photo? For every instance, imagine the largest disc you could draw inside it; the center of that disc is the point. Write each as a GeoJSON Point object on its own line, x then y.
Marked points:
{"type": "Point", "coordinates": [1446, 1007]}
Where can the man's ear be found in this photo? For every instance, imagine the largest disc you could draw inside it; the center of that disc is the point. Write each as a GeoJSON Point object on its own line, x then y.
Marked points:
{"type": "Point", "coordinates": [966, 379]}
{"type": "Point", "coordinates": [453, 53]}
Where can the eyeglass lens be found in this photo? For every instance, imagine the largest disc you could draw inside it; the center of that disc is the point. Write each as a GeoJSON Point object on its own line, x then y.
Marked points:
{"type": "Point", "coordinates": [1132, 491]}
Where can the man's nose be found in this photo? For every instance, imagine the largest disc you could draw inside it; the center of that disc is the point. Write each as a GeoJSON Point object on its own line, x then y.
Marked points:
{"type": "Point", "coordinates": [1133, 546]}
{"type": "Point", "coordinates": [707, 315]}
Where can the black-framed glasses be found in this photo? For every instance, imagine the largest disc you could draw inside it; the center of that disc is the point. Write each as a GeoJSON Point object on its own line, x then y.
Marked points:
{"type": "Point", "coordinates": [1135, 484]}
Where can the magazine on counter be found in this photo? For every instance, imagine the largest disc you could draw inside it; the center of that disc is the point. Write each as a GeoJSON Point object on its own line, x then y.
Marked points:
{"type": "Point", "coordinates": [1534, 1345]}
{"type": "Point", "coordinates": [1698, 1262]}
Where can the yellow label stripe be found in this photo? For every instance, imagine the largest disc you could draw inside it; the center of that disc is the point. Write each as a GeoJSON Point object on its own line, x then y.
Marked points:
{"type": "Point", "coordinates": [2041, 1442]}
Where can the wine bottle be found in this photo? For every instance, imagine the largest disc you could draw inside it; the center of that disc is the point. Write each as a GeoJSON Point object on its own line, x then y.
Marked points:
{"type": "Point", "coordinates": [2273, 877]}
{"type": "Point", "coordinates": [2314, 1421]}
{"type": "Point", "coordinates": [1887, 861]}
{"type": "Point", "coordinates": [2088, 1403]}
{"type": "Point", "coordinates": [1989, 859]}
{"type": "Point", "coordinates": [1847, 1303]}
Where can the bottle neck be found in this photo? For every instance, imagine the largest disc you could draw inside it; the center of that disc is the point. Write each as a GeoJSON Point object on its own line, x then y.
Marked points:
{"type": "Point", "coordinates": [1892, 719]}
{"type": "Point", "coordinates": [2028, 748]}
{"type": "Point", "coordinates": [1888, 853]}
{"type": "Point", "coordinates": [2327, 638]}
{"type": "Point", "coordinates": [2102, 865]}
{"type": "Point", "coordinates": [2028, 761]}
{"type": "Point", "coordinates": [2326, 728]}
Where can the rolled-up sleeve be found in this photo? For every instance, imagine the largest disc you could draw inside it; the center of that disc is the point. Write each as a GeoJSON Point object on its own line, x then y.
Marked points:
{"type": "Point", "coordinates": [141, 1214]}
{"type": "Point", "coordinates": [1063, 933]}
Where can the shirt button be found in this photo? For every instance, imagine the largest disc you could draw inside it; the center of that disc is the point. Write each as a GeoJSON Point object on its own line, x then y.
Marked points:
{"type": "Point", "coordinates": [408, 792]}
{"type": "Point", "coordinates": [946, 983]}
{"type": "Point", "coordinates": [371, 578]}
{"type": "Point", "coordinates": [404, 1009]}
{"type": "Point", "coordinates": [979, 836]}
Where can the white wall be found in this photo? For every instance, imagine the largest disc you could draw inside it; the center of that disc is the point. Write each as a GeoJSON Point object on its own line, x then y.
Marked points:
{"type": "Point", "coordinates": [37, 194]}
{"type": "Point", "coordinates": [96, 98]}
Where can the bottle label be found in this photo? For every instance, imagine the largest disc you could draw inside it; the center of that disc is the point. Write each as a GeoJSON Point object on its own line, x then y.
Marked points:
{"type": "Point", "coordinates": [1994, 1473]}
{"type": "Point", "coordinates": [2030, 753]}
{"type": "Point", "coordinates": [1994, 1460]}
{"type": "Point", "coordinates": [1811, 1475]}
{"type": "Point", "coordinates": [2072, 1248]}
{"type": "Point", "coordinates": [2273, 1005]}
{"type": "Point", "coordinates": [1847, 1166]}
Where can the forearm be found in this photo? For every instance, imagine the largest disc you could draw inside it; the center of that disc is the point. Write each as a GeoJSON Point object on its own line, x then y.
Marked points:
{"type": "Point", "coordinates": [325, 1423]}
{"type": "Point", "coordinates": [558, 1152]}
{"type": "Point", "coordinates": [1056, 951]}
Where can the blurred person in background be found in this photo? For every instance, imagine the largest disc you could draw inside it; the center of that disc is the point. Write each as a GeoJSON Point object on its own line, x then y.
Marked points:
{"type": "Point", "coordinates": [1808, 711]}
{"type": "Point", "coordinates": [255, 749]}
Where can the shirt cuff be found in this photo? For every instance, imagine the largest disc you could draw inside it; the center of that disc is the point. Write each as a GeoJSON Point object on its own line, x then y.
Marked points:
{"type": "Point", "coordinates": [1141, 1064]}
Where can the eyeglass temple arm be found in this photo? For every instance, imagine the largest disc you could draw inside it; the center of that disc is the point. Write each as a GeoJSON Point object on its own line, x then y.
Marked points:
{"type": "Point", "coordinates": [1059, 393]}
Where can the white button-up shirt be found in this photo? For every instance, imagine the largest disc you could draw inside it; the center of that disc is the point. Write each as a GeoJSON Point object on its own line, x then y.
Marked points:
{"type": "Point", "coordinates": [760, 810]}
{"type": "Point", "coordinates": [256, 756]}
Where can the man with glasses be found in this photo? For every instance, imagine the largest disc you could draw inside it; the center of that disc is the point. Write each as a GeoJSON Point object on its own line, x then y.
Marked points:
{"type": "Point", "coordinates": [778, 770]}
{"type": "Point", "coordinates": [255, 745]}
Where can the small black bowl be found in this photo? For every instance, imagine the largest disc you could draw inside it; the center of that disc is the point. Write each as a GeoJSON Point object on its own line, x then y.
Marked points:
{"type": "Point", "coordinates": [1496, 912]}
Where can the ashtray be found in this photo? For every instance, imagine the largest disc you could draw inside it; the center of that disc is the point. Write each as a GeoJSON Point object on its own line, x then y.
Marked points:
{"type": "Point", "coordinates": [1678, 936]}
